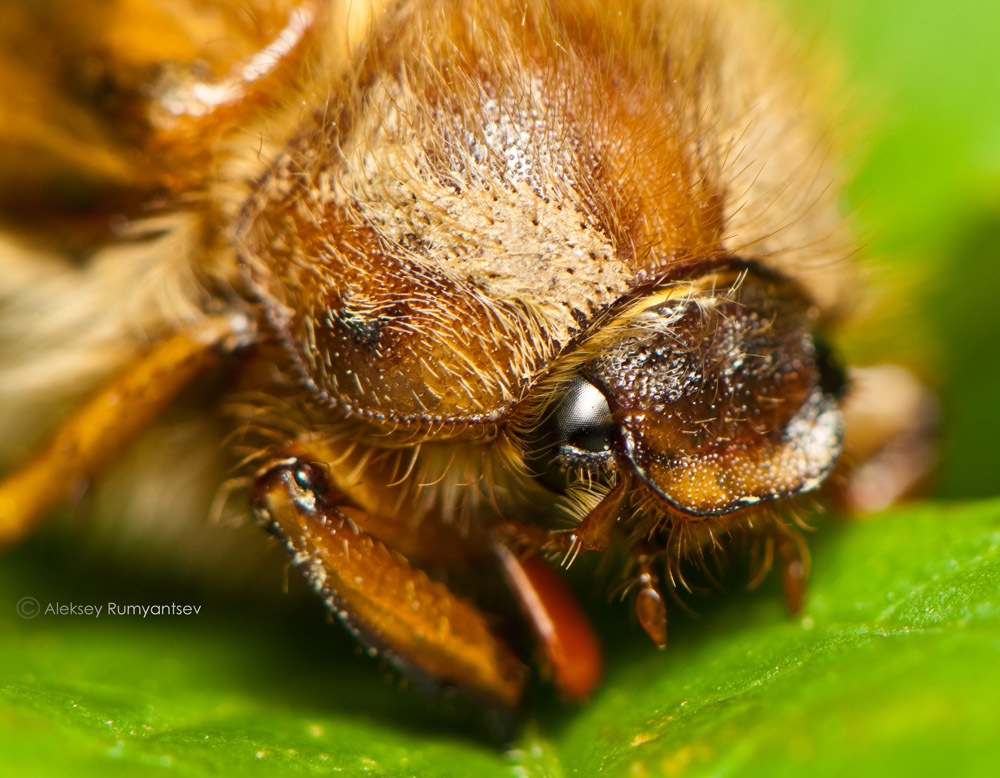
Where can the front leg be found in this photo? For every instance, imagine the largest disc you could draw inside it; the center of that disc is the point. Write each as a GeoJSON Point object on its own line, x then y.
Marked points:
{"type": "Point", "coordinates": [392, 607]}
{"type": "Point", "coordinates": [100, 430]}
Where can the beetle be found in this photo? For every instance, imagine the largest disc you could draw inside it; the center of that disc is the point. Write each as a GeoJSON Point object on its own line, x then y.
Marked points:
{"type": "Point", "coordinates": [496, 282]}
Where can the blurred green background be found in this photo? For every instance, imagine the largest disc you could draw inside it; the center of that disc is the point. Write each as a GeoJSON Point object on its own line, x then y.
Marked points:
{"type": "Point", "coordinates": [892, 668]}
{"type": "Point", "coordinates": [926, 93]}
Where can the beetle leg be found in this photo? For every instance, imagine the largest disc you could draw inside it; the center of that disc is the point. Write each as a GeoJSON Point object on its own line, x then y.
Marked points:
{"type": "Point", "coordinates": [98, 431]}
{"type": "Point", "coordinates": [563, 630]}
{"type": "Point", "coordinates": [189, 111]}
{"type": "Point", "coordinates": [594, 532]}
{"type": "Point", "coordinates": [890, 450]}
{"type": "Point", "coordinates": [393, 608]}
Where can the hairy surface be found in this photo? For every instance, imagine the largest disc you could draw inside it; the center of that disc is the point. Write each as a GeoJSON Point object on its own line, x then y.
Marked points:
{"type": "Point", "coordinates": [437, 202]}
{"type": "Point", "coordinates": [481, 187]}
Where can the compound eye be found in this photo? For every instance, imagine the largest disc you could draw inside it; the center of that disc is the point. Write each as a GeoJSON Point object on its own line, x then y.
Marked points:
{"type": "Point", "coordinates": [832, 378]}
{"type": "Point", "coordinates": [583, 419]}
{"type": "Point", "coordinates": [576, 434]}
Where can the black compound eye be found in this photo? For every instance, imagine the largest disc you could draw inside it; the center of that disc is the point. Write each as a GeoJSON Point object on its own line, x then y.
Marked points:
{"type": "Point", "coordinates": [576, 434]}
{"type": "Point", "coordinates": [832, 379]}
{"type": "Point", "coordinates": [583, 419]}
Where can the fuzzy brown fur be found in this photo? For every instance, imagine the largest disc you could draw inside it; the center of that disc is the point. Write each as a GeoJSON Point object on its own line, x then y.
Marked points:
{"type": "Point", "coordinates": [500, 172]}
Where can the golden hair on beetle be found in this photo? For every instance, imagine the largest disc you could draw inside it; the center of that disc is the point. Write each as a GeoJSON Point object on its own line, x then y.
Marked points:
{"type": "Point", "coordinates": [449, 286]}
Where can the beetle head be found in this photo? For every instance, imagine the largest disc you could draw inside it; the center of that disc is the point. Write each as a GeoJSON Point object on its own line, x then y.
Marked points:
{"type": "Point", "coordinates": [713, 393]}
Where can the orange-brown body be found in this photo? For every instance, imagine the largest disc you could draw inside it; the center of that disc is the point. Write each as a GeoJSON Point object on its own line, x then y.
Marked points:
{"type": "Point", "coordinates": [409, 231]}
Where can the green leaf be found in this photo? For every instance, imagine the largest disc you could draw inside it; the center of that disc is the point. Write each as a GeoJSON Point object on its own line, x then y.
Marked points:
{"type": "Point", "coordinates": [894, 667]}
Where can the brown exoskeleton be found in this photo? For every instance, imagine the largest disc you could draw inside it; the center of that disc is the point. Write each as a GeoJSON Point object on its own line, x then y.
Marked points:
{"type": "Point", "coordinates": [494, 281]}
